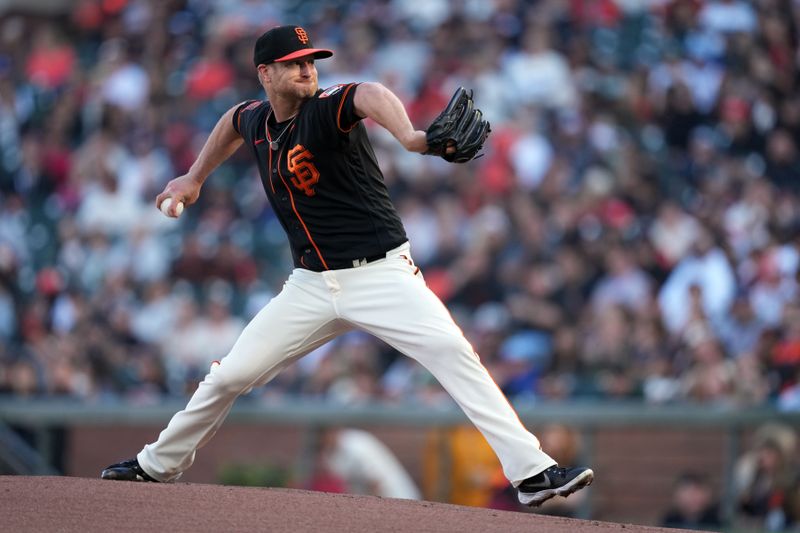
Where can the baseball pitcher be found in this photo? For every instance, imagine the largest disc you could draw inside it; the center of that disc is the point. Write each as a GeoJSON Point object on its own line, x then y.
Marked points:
{"type": "Point", "coordinates": [353, 264]}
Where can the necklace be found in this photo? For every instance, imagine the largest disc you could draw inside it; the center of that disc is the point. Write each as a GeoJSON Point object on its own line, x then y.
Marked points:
{"type": "Point", "coordinates": [273, 144]}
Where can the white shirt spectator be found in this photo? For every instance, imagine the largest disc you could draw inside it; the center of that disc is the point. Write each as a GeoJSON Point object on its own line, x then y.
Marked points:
{"type": "Point", "coordinates": [769, 296]}
{"type": "Point", "coordinates": [145, 172]}
{"type": "Point", "coordinates": [728, 16]}
{"type": "Point", "coordinates": [150, 255]}
{"type": "Point", "coordinates": [775, 284]}
{"type": "Point", "coordinates": [65, 312]}
{"type": "Point", "coordinates": [128, 87]}
{"type": "Point", "coordinates": [713, 273]}
{"type": "Point", "coordinates": [105, 209]}
{"type": "Point", "coordinates": [154, 320]}
{"type": "Point", "coordinates": [425, 15]}
{"type": "Point", "coordinates": [539, 75]}
{"type": "Point", "coordinates": [368, 466]}
{"type": "Point", "coordinates": [101, 260]}
{"type": "Point", "coordinates": [789, 399]}
{"type": "Point", "coordinates": [624, 283]}
{"type": "Point", "coordinates": [531, 156]}
{"type": "Point", "coordinates": [208, 337]}
{"type": "Point", "coordinates": [746, 224]}
{"type": "Point", "coordinates": [630, 289]}
{"type": "Point", "coordinates": [403, 61]}
{"type": "Point", "coordinates": [703, 78]}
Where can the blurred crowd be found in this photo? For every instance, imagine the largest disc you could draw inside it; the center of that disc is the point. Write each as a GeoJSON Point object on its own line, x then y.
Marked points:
{"type": "Point", "coordinates": [631, 232]}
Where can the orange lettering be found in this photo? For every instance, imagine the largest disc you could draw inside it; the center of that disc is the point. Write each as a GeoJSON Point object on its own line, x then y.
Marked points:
{"type": "Point", "coordinates": [302, 35]}
{"type": "Point", "coordinates": [305, 173]}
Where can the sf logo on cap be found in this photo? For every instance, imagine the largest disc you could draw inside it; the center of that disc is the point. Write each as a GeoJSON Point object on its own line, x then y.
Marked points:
{"type": "Point", "coordinates": [302, 35]}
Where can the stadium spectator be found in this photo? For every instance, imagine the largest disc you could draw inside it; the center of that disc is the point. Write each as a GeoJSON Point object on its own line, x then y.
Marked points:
{"type": "Point", "coordinates": [693, 505]}
{"type": "Point", "coordinates": [767, 480]}
{"type": "Point", "coordinates": [641, 151]}
{"type": "Point", "coordinates": [363, 464]}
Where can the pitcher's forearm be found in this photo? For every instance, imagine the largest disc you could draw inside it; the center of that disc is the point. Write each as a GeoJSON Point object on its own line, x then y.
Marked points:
{"type": "Point", "coordinates": [220, 145]}
{"type": "Point", "coordinates": [375, 101]}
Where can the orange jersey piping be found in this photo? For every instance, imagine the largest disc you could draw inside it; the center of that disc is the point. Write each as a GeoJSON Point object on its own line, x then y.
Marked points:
{"type": "Point", "coordinates": [269, 170]}
{"type": "Point", "coordinates": [339, 111]}
{"type": "Point", "coordinates": [297, 214]}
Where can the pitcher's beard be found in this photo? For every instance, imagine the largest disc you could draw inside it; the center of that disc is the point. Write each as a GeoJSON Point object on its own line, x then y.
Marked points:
{"type": "Point", "coordinates": [302, 91]}
{"type": "Point", "coordinates": [296, 92]}
{"type": "Point", "coordinates": [307, 91]}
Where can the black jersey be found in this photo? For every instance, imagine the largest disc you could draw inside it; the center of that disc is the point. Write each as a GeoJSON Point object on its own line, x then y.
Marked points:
{"type": "Point", "coordinates": [323, 181]}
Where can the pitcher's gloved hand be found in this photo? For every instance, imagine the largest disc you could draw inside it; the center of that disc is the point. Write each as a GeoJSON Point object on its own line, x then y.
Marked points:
{"type": "Point", "coordinates": [458, 133]}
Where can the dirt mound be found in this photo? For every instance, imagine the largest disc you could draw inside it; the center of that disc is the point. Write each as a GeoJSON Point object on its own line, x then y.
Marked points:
{"type": "Point", "coordinates": [87, 505]}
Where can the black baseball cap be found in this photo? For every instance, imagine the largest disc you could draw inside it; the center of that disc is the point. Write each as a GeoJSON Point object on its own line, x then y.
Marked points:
{"type": "Point", "coordinates": [285, 43]}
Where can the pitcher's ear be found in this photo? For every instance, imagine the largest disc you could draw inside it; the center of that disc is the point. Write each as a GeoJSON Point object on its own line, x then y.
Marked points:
{"type": "Point", "coordinates": [263, 73]}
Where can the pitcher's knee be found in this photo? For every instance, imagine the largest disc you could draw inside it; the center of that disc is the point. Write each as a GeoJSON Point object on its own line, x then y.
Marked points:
{"type": "Point", "coordinates": [229, 383]}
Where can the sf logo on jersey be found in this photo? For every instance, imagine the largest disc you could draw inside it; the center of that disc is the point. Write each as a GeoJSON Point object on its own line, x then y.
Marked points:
{"type": "Point", "coordinates": [305, 172]}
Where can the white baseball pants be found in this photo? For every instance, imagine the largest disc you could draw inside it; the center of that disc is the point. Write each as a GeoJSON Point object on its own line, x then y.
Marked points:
{"type": "Point", "coordinates": [387, 298]}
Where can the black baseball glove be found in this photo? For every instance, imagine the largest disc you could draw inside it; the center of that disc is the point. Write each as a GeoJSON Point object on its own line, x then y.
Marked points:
{"type": "Point", "coordinates": [461, 126]}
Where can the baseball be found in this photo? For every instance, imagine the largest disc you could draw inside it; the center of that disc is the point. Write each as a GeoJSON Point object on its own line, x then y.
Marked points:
{"type": "Point", "coordinates": [168, 202]}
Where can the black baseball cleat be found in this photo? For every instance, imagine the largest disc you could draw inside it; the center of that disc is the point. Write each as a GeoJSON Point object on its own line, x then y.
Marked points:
{"type": "Point", "coordinates": [126, 471]}
{"type": "Point", "coordinates": [555, 481]}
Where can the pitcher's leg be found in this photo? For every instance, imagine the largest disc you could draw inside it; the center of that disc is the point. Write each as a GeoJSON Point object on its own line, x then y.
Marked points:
{"type": "Point", "coordinates": [292, 324]}
{"type": "Point", "coordinates": [401, 310]}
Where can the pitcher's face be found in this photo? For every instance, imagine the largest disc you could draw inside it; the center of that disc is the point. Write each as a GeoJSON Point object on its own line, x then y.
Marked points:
{"type": "Point", "coordinates": [292, 79]}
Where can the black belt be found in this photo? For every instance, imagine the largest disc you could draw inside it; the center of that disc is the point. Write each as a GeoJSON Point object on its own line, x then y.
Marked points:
{"type": "Point", "coordinates": [312, 262]}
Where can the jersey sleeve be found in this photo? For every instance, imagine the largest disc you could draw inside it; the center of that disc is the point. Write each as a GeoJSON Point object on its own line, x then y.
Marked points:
{"type": "Point", "coordinates": [337, 103]}
{"type": "Point", "coordinates": [243, 117]}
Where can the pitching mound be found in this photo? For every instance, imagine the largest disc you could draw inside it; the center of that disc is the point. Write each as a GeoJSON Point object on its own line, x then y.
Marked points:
{"type": "Point", "coordinates": [87, 505]}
